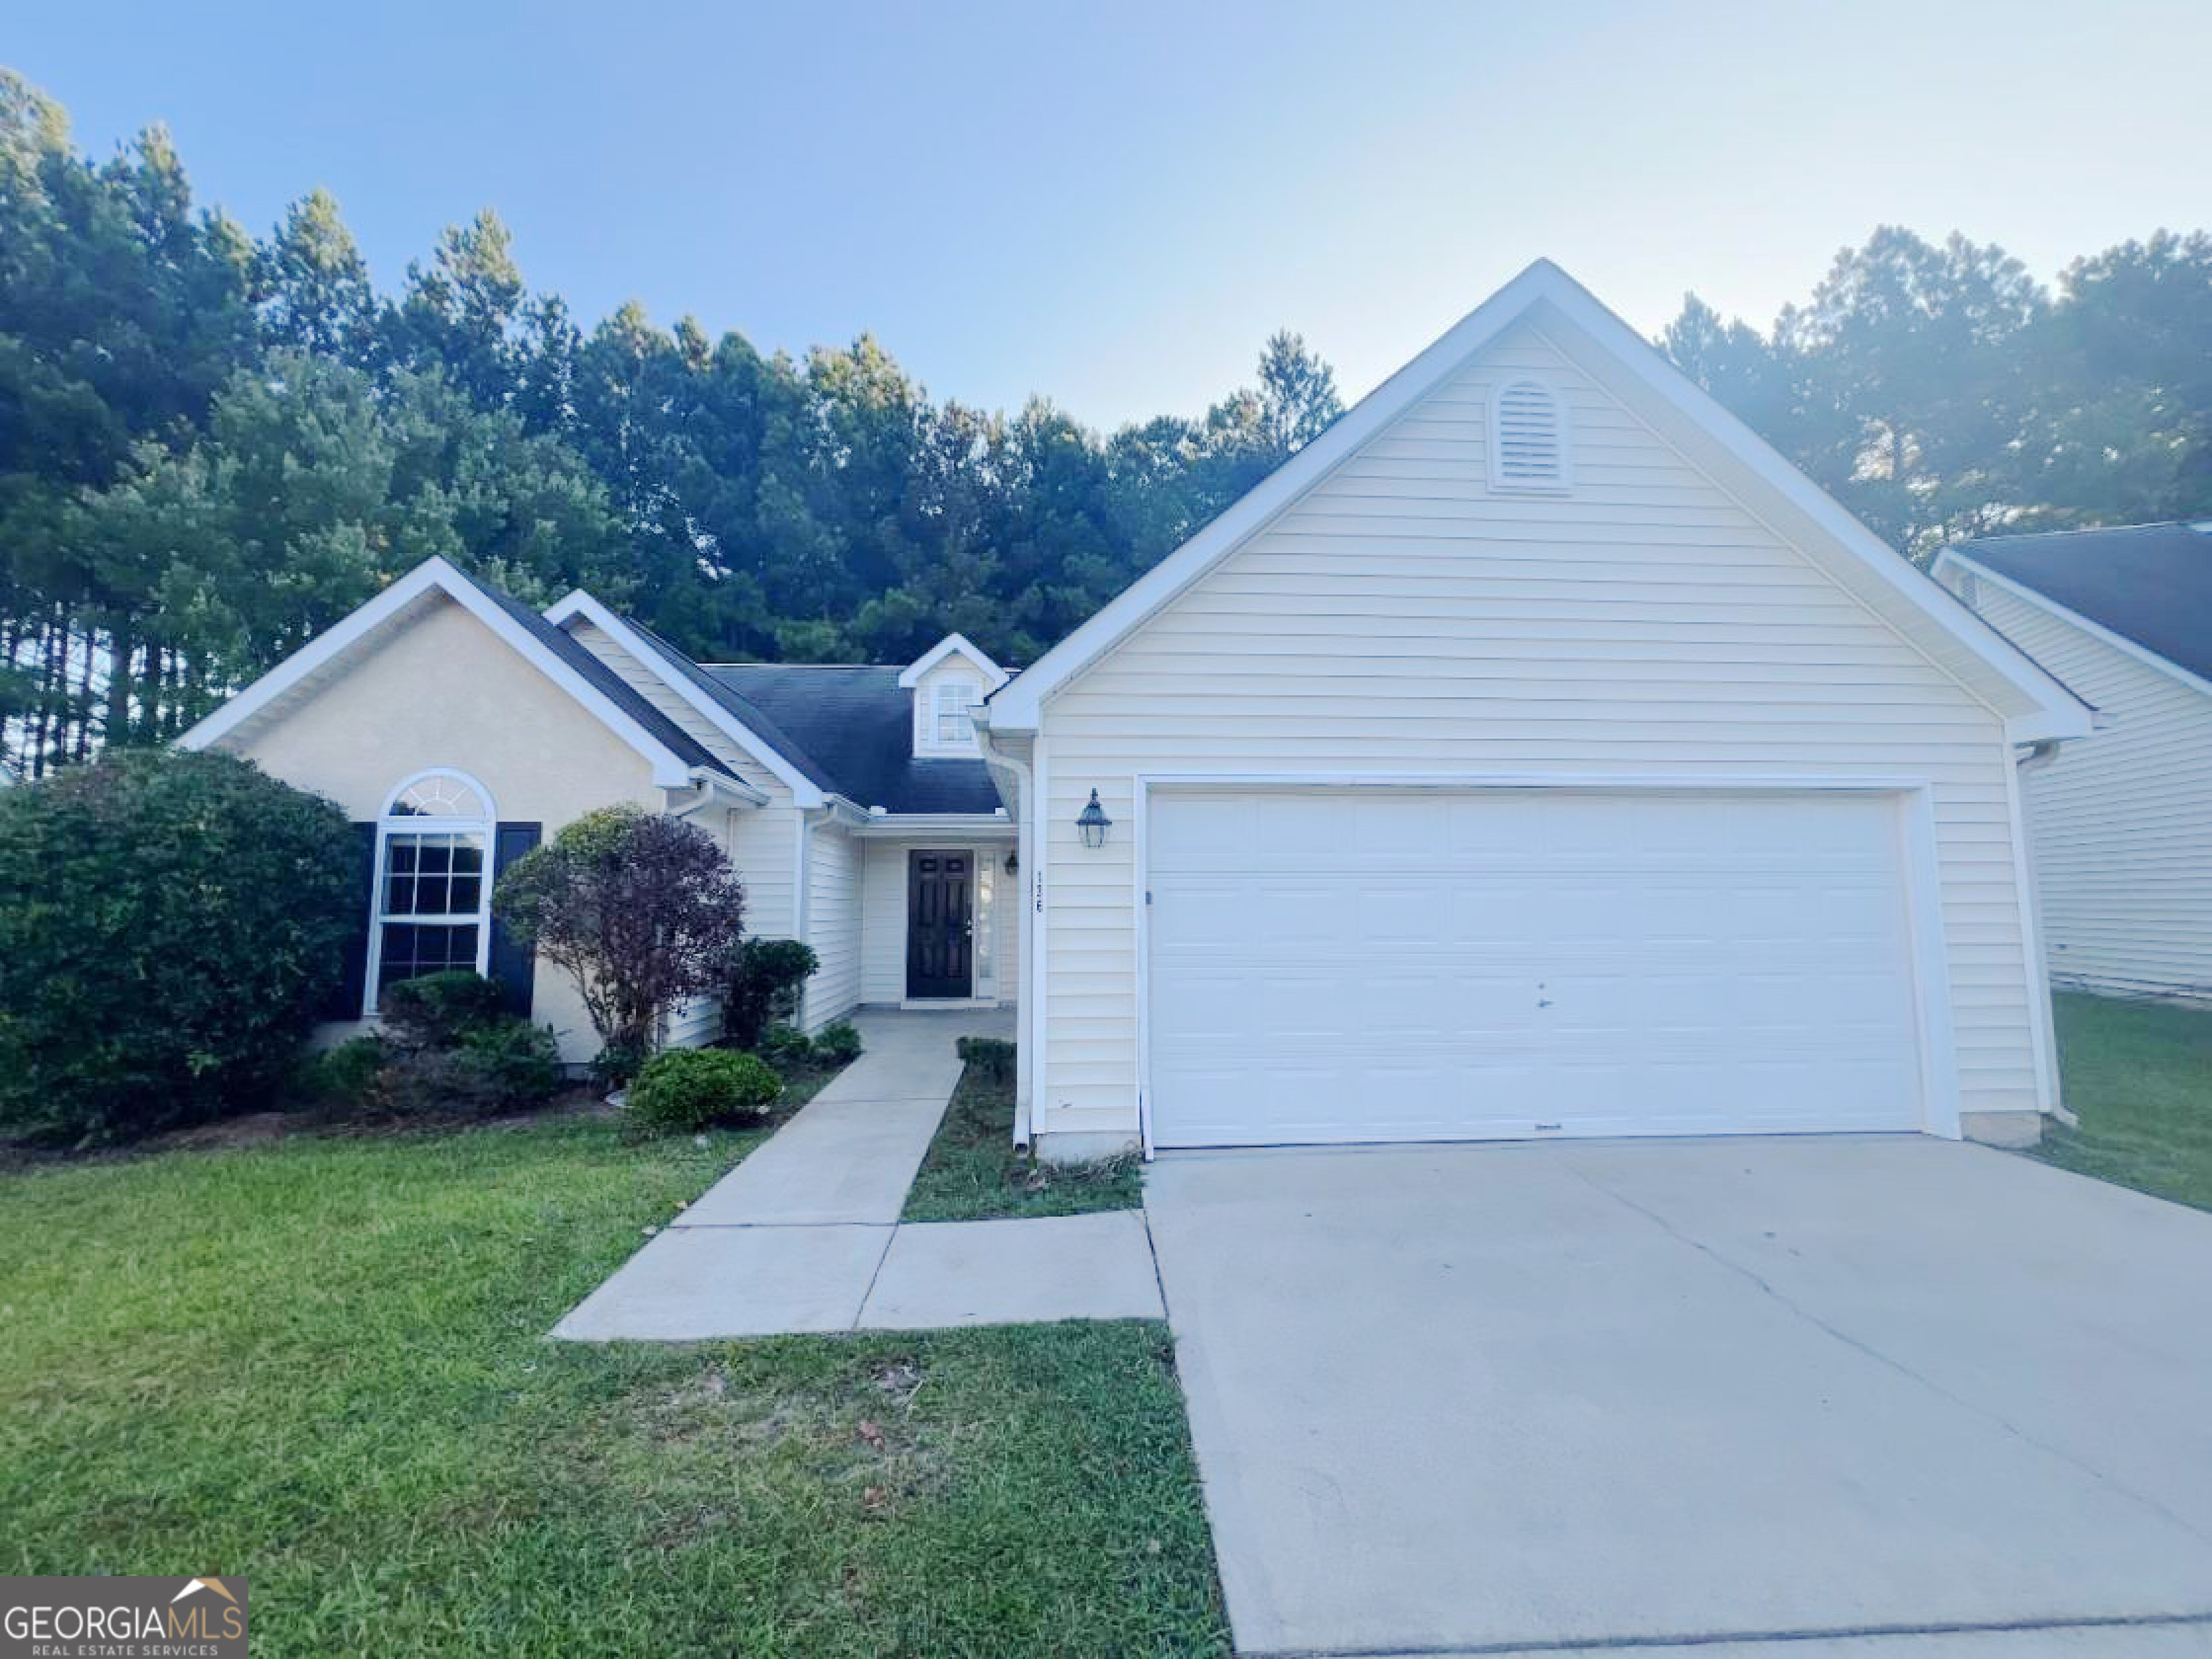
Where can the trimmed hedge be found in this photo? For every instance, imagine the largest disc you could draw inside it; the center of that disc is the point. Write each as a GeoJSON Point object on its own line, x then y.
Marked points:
{"type": "Point", "coordinates": [168, 924]}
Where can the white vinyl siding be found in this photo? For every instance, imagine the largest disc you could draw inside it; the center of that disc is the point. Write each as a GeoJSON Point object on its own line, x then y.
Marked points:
{"type": "Point", "coordinates": [762, 843]}
{"type": "Point", "coordinates": [2120, 825]}
{"type": "Point", "coordinates": [833, 925]}
{"type": "Point", "coordinates": [1402, 618]}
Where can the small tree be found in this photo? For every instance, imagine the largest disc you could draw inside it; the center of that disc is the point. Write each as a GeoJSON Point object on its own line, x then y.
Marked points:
{"type": "Point", "coordinates": [642, 910]}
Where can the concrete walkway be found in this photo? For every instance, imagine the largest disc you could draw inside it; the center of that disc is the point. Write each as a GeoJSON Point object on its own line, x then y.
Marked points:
{"type": "Point", "coordinates": [804, 1235]}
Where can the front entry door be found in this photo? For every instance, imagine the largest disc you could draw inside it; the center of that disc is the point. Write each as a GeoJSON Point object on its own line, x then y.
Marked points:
{"type": "Point", "coordinates": [940, 909]}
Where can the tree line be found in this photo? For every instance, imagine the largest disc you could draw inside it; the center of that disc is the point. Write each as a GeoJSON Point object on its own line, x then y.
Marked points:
{"type": "Point", "coordinates": [213, 445]}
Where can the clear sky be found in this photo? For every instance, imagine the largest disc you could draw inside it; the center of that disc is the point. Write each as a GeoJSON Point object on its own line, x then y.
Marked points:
{"type": "Point", "coordinates": [1115, 205]}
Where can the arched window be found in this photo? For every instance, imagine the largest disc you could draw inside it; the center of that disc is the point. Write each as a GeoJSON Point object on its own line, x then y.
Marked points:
{"type": "Point", "coordinates": [433, 903]}
{"type": "Point", "coordinates": [1528, 438]}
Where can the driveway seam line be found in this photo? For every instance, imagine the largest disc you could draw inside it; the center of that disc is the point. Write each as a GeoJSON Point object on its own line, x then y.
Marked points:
{"type": "Point", "coordinates": [1875, 1354]}
{"type": "Point", "coordinates": [1722, 1638]}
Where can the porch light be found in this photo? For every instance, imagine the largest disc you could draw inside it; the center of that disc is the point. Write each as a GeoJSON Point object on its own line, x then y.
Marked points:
{"type": "Point", "coordinates": [1094, 822]}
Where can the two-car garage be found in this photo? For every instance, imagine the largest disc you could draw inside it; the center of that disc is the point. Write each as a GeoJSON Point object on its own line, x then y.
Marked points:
{"type": "Point", "coordinates": [1338, 964]}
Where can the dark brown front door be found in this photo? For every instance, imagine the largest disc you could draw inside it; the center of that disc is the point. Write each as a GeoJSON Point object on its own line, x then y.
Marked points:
{"type": "Point", "coordinates": [940, 889]}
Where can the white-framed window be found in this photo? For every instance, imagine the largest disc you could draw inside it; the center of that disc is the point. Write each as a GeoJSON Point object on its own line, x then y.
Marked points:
{"type": "Point", "coordinates": [950, 700]}
{"type": "Point", "coordinates": [1527, 439]}
{"type": "Point", "coordinates": [432, 906]}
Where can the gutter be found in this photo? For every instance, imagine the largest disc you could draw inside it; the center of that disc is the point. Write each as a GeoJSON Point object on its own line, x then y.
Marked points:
{"type": "Point", "coordinates": [2034, 757]}
{"type": "Point", "coordinates": [1017, 785]}
{"type": "Point", "coordinates": [706, 787]}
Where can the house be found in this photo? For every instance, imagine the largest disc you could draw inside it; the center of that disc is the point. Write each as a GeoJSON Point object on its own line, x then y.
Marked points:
{"type": "Point", "coordinates": [459, 728]}
{"type": "Point", "coordinates": [1534, 754]}
{"type": "Point", "coordinates": [2121, 829]}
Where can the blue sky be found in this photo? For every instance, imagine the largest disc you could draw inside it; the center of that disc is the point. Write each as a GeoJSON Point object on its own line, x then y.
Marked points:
{"type": "Point", "coordinates": [1114, 205]}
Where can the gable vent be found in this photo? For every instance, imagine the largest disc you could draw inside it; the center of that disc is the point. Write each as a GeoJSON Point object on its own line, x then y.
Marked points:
{"type": "Point", "coordinates": [1528, 438]}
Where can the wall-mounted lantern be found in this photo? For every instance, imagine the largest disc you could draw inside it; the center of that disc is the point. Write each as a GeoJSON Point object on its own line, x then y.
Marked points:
{"type": "Point", "coordinates": [1093, 822]}
{"type": "Point", "coordinates": [1013, 862]}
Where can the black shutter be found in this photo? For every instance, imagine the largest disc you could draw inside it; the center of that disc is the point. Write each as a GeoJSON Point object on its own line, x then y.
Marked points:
{"type": "Point", "coordinates": [512, 966]}
{"type": "Point", "coordinates": [344, 1002]}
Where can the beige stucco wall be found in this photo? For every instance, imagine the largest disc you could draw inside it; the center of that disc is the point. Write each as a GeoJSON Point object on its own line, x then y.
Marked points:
{"type": "Point", "coordinates": [448, 692]}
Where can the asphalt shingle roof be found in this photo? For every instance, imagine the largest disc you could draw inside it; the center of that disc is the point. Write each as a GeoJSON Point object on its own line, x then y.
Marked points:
{"type": "Point", "coordinates": [2151, 583]}
{"type": "Point", "coordinates": [856, 724]}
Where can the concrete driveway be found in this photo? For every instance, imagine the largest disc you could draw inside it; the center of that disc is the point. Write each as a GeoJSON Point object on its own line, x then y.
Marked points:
{"type": "Point", "coordinates": [1500, 1397]}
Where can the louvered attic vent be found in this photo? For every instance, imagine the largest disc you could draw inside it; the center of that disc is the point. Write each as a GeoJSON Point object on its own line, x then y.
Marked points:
{"type": "Point", "coordinates": [1528, 439]}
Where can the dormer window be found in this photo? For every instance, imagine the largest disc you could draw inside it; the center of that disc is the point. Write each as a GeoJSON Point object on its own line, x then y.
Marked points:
{"type": "Point", "coordinates": [951, 698]}
{"type": "Point", "coordinates": [947, 683]}
{"type": "Point", "coordinates": [1527, 440]}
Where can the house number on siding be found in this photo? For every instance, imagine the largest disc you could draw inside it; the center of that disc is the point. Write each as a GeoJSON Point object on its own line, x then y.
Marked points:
{"type": "Point", "coordinates": [1036, 886]}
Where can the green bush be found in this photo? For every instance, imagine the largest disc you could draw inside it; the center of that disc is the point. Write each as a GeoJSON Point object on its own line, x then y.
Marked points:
{"type": "Point", "coordinates": [168, 924]}
{"type": "Point", "coordinates": [837, 1043]}
{"type": "Point", "coordinates": [506, 1065]}
{"type": "Point", "coordinates": [436, 1010]}
{"type": "Point", "coordinates": [993, 1057]}
{"type": "Point", "coordinates": [344, 1075]}
{"type": "Point", "coordinates": [784, 1045]}
{"type": "Point", "coordinates": [616, 1064]}
{"type": "Point", "coordinates": [762, 985]}
{"type": "Point", "coordinates": [685, 1090]}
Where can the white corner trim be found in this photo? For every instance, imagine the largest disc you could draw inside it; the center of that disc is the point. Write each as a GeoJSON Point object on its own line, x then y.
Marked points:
{"type": "Point", "coordinates": [669, 770]}
{"type": "Point", "coordinates": [993, 676]}
{"type": "Point", "coordinates": [1949, 558]}
{"type": "Point", "coordinates": [802, 789]}
{"type": "Point", "coordinates": [1020, 705]}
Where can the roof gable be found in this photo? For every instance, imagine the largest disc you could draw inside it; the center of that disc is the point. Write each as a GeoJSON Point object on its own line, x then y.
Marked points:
{"type": "Point", "coordinates": [1544, 298]}
{"type": "Point", "coordinates": [674, 755]}
{"type": "Point", "coordinates": [2146, 587]}
{"type": "Point", "coordinates": [950, 645]}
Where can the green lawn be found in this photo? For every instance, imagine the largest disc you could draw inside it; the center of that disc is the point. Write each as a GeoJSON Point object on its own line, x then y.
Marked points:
{"type": "Point", "coordinates": [973, 1172]}
{"type": "Point", "coordinates": [2139, 1074]}
{"type": "Point", "coordinates": [321, 1365]}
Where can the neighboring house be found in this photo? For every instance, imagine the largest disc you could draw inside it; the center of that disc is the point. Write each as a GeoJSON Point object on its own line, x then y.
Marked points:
{"type": "Point", "coordinates": [459, 728]}
{"type": "Point", "coordinates": [2121, 828]}
{"type": "Point", "coordinates": [1534, 754]}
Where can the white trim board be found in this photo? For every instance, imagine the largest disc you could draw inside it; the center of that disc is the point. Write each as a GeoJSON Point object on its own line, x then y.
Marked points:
{"type": "Point", "coordinates": [2052, 710]}
{"type": "Point", "coordinates": [1952, 559]}
{"type": "Point", "coordinates": [803, 791]}
{"type": "Point", "coordinates": [1939, 1064]}
{"type": "Point", "coordinates": [910, 676]}
{"type": "Point", "coordinates": [669, 770]}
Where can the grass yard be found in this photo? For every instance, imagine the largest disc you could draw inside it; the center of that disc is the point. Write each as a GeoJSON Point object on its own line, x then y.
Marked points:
{"type": "Point", "coordinates": [2139, 1074]}
{"type": "Point", "coordinates": [320, 1363]}
{"type": "Point", "coordinates": [973, 1172]}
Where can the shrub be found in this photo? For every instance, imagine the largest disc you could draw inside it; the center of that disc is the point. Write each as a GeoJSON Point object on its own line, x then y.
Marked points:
{"type": "Point", "coordinates": [642, 910]}
{"type": "Point", "coordinates": [760, 987]}
{"type": "Point", "coordinates": [784, 1045]}
{"type": "Point", "coordinates": [616, 1064]}
{"type": "Point", "coordinates": [504, 1065]}
{"type": "Point", "coordinates": [993, 1057]}
{"type": "Point", "coordinates": [436, 1010]}
{"type": "Point", "coordinates": [168, 924]}
{"type": "Point", "coordinates": [685, 1090]}
{"type": "Point", "coordinates": [837, 1043]}
{"type": "Point", "coordinates": [344, 1075]}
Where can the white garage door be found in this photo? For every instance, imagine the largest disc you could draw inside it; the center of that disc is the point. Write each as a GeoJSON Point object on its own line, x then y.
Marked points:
{"type": "Point", "coordinates": [1337, 965]}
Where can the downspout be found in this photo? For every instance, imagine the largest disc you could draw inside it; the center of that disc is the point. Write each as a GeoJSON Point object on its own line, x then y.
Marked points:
{"type": "Point", "coordinates": [2036, 755]}
{"type": "Point", "coordinates": [1024, 788]}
